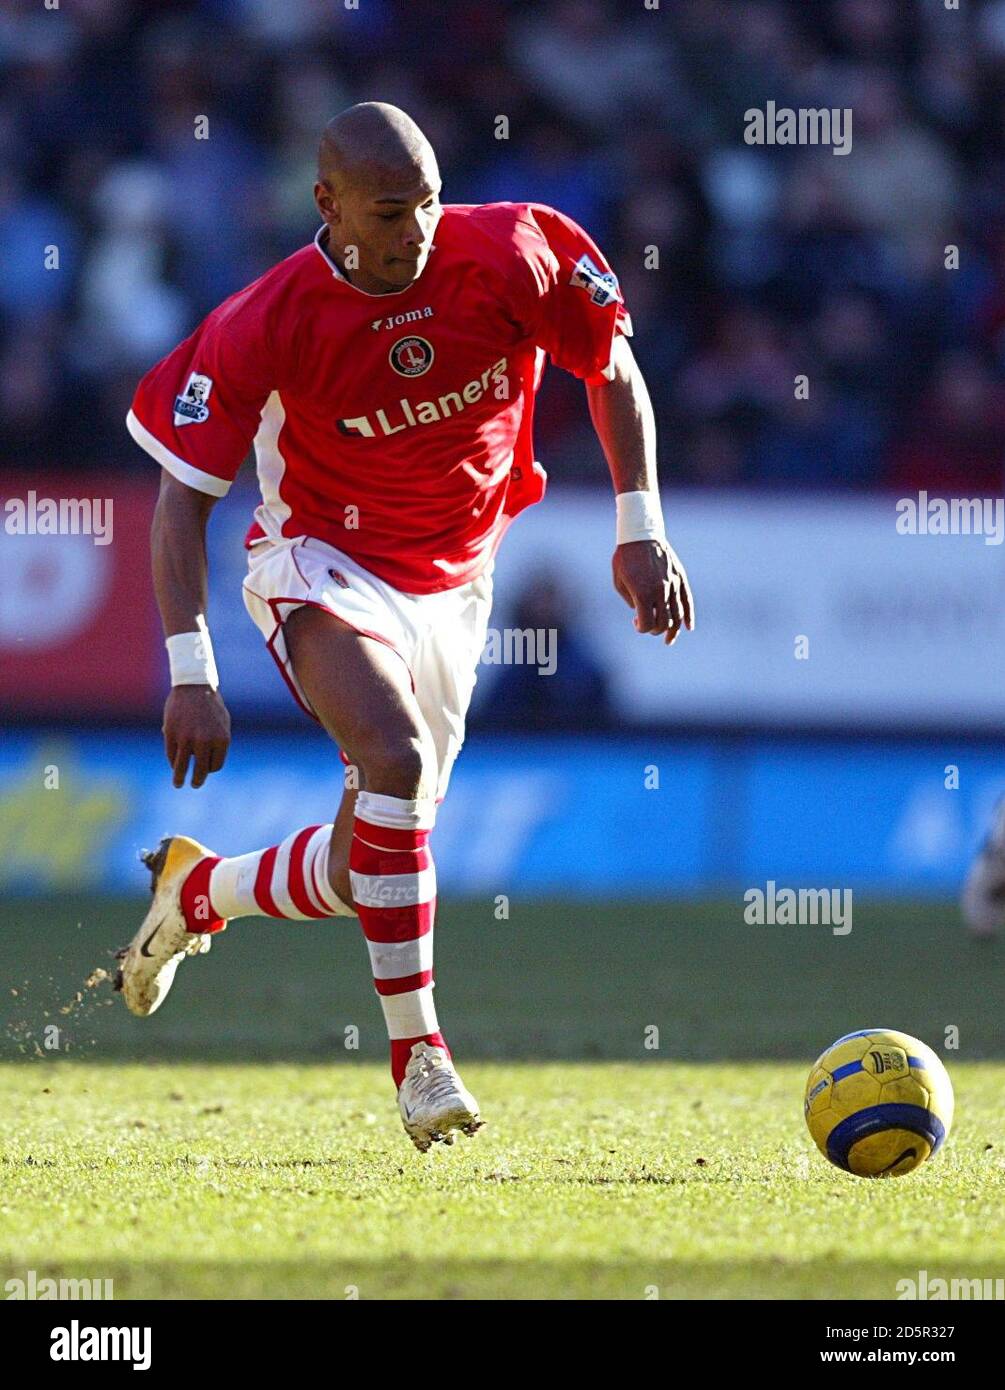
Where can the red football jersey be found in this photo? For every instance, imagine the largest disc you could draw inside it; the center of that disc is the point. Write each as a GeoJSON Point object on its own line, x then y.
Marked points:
{"type": "Point", "coordinates": [396, 427]}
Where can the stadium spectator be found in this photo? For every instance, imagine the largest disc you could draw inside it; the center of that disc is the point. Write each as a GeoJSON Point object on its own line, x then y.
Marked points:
{"type": "Point", "coordinates": [564, 674]}
{"type": "Point", "coordinates": [769, 262]}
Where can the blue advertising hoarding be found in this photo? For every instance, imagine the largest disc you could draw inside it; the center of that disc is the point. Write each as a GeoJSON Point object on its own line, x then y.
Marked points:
{"type": "Point", "coordinates": [588, 818]}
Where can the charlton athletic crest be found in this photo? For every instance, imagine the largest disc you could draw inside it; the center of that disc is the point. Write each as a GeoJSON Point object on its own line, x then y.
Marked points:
{"type": "Point", "coordinates": [411, 356]}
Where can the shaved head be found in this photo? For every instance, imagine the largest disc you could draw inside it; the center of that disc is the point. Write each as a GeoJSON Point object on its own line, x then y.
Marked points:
{"type": "Point", "coordinates": [378, 191]}
{"type": "Point", "coordinates": [370, 139]}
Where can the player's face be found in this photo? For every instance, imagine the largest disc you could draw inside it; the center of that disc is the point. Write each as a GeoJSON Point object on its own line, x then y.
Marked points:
{"type": "Point", "coordinates": [391, 219]}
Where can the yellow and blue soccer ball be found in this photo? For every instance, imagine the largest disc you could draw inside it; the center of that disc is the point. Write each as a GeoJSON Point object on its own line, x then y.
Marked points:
{"type": "Point", "coordinates": [878, 1103]}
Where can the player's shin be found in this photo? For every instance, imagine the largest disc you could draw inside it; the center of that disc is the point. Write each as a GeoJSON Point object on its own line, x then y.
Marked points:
{"type": "Point", "coordinates": [288, 880]}
{"type": "Point", "coordinates": [394, 889]}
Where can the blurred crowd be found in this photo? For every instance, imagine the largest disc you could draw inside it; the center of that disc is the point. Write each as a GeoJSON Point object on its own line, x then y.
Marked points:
{"type": "Point", "coordinates": [119, 228]}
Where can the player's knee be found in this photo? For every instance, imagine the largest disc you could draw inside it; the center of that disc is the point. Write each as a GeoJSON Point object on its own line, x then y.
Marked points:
{"type": "Point", "coordinates": [404, 767]}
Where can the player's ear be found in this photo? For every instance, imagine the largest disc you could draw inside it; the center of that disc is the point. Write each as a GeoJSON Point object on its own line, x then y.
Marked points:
{"type": "Point", "coordinates": [327, 203]}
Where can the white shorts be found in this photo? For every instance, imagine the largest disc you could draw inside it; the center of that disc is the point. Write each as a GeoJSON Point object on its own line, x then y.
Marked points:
{"type": "Point", "coordinates": [439, 637]}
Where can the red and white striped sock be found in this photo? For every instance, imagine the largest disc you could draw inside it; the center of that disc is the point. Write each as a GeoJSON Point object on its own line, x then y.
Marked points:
{"type": "Point", "coordinates": [394, 889]}
{"type": "Point", "coordinates": [288, 880]}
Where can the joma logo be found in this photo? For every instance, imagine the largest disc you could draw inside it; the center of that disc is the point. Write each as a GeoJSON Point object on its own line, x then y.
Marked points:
{"type": "Point", "coordinates": [398, 320]}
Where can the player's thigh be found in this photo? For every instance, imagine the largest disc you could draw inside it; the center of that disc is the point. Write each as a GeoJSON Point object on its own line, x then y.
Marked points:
{"type": "Point", "coordinates": [361, 691]}
{"type": "Point", "coordinates": [446, 671]}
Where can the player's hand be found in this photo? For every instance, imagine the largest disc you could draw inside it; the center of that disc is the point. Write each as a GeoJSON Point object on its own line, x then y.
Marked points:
{"type": "Point", "coordinates": [651, 579]}
{"type": "Point", "coordinates": [197, 727]}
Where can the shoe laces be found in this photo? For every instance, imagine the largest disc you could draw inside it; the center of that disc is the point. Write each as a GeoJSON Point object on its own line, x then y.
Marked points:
{"type": "Point", "coordinates": [436, 1080]}
{"type": "Point", "coordinates": [439, 1087]}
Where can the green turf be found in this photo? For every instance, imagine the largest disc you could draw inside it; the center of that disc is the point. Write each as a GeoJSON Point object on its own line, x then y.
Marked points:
{"type": "Point", "coordinates": [234, 1146]}
{"type": "Point", "coordinates": [601, 1180]}
{"type": "Point", "coordinates": [558, 980]}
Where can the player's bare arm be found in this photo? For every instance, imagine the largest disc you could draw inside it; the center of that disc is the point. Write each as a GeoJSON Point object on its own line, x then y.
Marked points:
{"type": "Point", "coordinates": [647, 573]}
{"type": "Point", "coordinates": [196, 721]}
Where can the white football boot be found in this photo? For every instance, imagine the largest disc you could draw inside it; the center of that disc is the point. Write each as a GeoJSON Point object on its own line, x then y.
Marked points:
{"type": "Point", "coordinates": [983, 898]}
{"type": "Point", "coordinates": [433, 1100]}
{"type": "Point", "coordinates": [150, 960]}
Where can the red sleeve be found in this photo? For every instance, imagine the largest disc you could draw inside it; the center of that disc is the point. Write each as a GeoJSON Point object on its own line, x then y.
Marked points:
{"type": "Point", "coordinates": [576, 309]}
{"type": "Point", "coordinates": [197, 411]}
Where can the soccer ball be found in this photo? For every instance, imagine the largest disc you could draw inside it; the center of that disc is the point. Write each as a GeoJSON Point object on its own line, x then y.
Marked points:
{"type": "Point", "coordinates": [878, 1103]}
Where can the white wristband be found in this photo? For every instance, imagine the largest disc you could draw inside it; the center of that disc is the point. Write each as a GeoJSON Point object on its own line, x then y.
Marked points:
{"type": "Point", "coordinates": [190, 655]}
{"type": "Point", "coordinates": [640, 517]}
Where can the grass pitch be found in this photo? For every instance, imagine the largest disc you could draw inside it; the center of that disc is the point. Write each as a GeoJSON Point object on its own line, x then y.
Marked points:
{"type": "Point", "coordinates": [603, 1180]}
{"type": "Point", "coordinates": [234, 1145]}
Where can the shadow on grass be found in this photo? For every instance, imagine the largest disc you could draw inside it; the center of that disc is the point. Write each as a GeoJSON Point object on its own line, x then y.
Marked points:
{"type": "Point", "coordinates": [558, 981]}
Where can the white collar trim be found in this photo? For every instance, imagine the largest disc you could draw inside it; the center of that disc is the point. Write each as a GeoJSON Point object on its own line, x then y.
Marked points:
{"type": "Point", "coordinates": [339, 274]}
